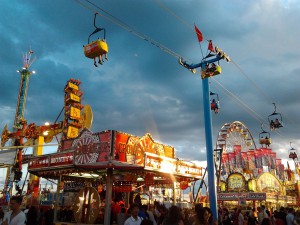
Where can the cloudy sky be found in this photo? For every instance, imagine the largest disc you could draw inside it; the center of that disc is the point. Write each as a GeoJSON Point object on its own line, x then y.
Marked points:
{"type": "Point", "coordinates": [142, 88]}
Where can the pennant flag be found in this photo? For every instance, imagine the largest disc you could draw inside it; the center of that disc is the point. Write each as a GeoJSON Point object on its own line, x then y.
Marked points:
{"type": "Point", "coordinates": [210, 46]}
{"type": "Point", "coordinates": [199, 34]}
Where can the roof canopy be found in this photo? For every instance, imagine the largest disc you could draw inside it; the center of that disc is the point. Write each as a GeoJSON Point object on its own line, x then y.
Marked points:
{"type": "Point", "coordinates": [112, 149]}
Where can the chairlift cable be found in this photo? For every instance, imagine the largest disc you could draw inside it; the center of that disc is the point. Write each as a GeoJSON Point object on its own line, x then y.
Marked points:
{"type": "Point", "coordinates": [123, 25]}
{"type": "Point", "coordinates": [181, 20]}
{"type": "Point", "coordinates": [254, 114]}
{"type": "Point", "coordinates": [144, 37]}
{"type": "Point", "coordinates": [247, 108]}
{"type": "Point", "coordinates": [267, 97]}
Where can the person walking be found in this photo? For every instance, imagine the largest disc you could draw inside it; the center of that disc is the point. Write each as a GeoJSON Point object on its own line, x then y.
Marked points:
{"type": "Point", "coordinates": [16, 216]}
{"type": "Point", "coordinates": [134, 219]}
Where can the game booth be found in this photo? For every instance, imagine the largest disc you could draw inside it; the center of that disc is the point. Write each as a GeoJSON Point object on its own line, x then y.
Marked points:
{"type": "Point", "coordinates": [93, 168]}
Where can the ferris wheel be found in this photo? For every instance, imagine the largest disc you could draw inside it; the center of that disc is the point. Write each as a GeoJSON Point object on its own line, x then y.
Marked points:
{"type": "Point", "coordinates": [232, 137]}
{"type": "Point", "coordinates": [234, 134]}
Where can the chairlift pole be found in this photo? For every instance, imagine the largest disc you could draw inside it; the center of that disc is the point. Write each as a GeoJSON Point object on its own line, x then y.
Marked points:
{"type": "Point", "coordinates": [208, 124]}
{"type": "Point", "coordinates": [209, 147]}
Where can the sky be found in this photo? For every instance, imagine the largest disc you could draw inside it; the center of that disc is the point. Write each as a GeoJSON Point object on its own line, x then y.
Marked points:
{"type": "Point", "coordinates": [141, 88]}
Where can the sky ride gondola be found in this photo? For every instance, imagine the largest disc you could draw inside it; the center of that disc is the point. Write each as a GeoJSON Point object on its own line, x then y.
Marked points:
{"type": "Point", "coordinates": [275, 120]}
{"type": "Point", "coordinates": [96, 48]}
{"type": "Point", "coordinates": [264, 137]}
{"type": "Point", "coordinates": [293, 153]}
{"type": "Point", "coordinates": [214, 102]}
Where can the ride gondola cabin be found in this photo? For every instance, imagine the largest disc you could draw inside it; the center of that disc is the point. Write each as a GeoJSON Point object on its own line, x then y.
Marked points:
{"type": "Point", "coordinates": [211, 70]}
{"type": "Point", "coordinates": [264, 138]}
{"type": "Point", "coordinates": [214, 102]}
{"type": "Point", "coordinates": [275, 120]}
{"type": "Point", "coordinates": [97, 48]}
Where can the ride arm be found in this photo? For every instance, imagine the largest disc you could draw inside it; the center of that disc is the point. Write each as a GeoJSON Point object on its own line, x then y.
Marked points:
{"type": "Point", "coordinates": [96, 31]}
{"type": "Point", "coordinates": [194, 66]}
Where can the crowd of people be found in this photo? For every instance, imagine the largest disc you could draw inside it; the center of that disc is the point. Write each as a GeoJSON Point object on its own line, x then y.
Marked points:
{"type": "Point", "coordinates": [154, 214]}
{"type": "Point", "coordinates": [158, 214]}
{"type": "Point", "coordinates": [259, 216]}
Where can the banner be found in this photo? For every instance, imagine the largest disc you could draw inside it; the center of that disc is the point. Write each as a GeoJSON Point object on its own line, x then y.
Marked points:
{"type": "Point", "coordinates": [232, 164]}
{"type": "Point", "coordinates": [237, 152]}
{"type": "Point", "coordinates": [273, 159]}
{"type": "Point", "coordinates": [264, 156]}
{"type": "Point", "coordinates": [251, 159]}
{"type": "Point", "coordinates": [244, 157]}
{"type": "Point", "coordinates": [225, 164]}
{"type": "Point", "coordinates": [258, 158]}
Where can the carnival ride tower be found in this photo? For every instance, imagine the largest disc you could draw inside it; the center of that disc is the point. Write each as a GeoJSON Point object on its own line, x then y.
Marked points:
{"type": "Point", "coordinates": [25, 74]}
{"type": "Point", "coordinates": [15, 173]}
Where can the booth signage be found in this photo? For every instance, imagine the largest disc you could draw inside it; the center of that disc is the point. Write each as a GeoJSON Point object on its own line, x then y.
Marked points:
{"type": "Point", "coordinates": [236, 182]}
{"type": "Point", "coordinates": [237, 196]}
{"type": "Point", "coordinates": [62, 159]}
{"type": "Point", "coordinates": [39, 162]}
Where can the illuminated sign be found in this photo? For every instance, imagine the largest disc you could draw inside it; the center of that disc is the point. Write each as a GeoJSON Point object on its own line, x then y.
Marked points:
{"type": "Point", "coordinates": [160, 163]}
{"type": "Point", "coordinates": [236, 182]}
{"type": "Point", "coordinates": [74, 97]}
{"type": "Point", "coordinates": [62, 159]}
{"type": "Point", "coordinates": [91, 148]}
{"type": "Point", "coordinates": [267, 182]}
{"type": "Point", "coordinates": [73, 86]}
{"type": "Point", "coordinates": [38, 162]}
{"type": "Point", "coordinates": [131, 149]}
{"type": "Point", "coordinates": [238, 196]}
{"type": "Point", "coordinates": [72, 132]}
{"type": "Point", "coordinates": [74, 113]}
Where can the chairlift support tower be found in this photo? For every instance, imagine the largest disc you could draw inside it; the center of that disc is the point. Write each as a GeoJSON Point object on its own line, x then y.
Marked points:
{"type": "Point", "coordinates": [208, 123]}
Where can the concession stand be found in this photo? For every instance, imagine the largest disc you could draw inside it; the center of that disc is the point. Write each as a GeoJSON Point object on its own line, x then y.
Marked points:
{"type": "Point", "coordinates": [93, 166]}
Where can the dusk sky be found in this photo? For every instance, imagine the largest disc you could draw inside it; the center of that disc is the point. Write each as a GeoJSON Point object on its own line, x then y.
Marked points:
{"type": "Point", "coordinates": [142, 88]}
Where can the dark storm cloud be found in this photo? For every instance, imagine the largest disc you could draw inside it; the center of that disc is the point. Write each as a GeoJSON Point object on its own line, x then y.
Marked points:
{"type": "Point", "coordinates": [141, 88]}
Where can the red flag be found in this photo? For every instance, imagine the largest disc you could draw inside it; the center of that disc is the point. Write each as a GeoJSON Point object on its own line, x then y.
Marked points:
{"type": "Point", "coordinates": [199, 34]}
{"type": "Point", "coordinates": [210, 46]}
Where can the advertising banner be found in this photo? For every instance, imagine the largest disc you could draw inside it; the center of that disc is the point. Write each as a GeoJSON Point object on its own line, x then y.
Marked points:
{"type": "Point", "coordinates": [237, 152]}
{"type": "Point", "coordinates": [231, 158]}
{"type": "Point", "coordinates": [251, 159]}
{"type": "Point", "coordinates": [225, 164]}
{"type": "Point", "coordinates": [258, 158]}
{"type": "Point", "coordinates": [265, 156]}
{"type": "Point", "coordinates": [245, 163]}
{"type": "Point", "coordinates": [273, 159]}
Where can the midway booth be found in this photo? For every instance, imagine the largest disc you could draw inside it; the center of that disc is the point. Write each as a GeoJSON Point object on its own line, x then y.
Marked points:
{"type": "Point", "coordinates": [93, 166]}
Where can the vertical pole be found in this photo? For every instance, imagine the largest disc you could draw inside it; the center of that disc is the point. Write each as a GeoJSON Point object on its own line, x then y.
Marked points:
{"type": "Point", "coordinates": [209, 148]}
{"type": "Point", "coordinates": [56, 206]}
{"type": "Point", "coordinates": [174, 193]}
{"type": "Point", "coordinates": [108, 195]}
